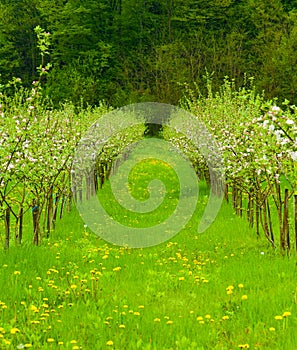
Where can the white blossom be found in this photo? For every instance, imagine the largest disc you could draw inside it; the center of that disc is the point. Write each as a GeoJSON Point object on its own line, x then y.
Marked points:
{"type": "Point", "coordinates": [290, 122]}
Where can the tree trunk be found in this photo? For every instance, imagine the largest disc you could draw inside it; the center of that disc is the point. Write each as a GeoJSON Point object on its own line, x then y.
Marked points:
{"type": "Point", "coordinates": [7, 228]}
{"type": "Point", "coordinates": [286, 233]}
{"type": "Point", "coordinates": [36, 216]}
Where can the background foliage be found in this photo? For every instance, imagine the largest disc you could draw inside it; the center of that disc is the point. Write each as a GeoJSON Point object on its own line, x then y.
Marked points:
{"type": "Point", "coordinates": [129, 51]}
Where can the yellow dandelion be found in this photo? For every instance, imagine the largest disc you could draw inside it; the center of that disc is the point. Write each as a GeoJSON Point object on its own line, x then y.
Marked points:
{"type": "Point", "coordinates": [50, 340]}
{"type": "Point", "coordinates": [278, 317]}
{"type": "Point", "coordinates": [73, 286]}
{"type": "Point", "coordinates": [199, 318]}
{"type": "Point", "coordinates": [109, 343]}
{"type": "Point", "coordinates": [229, 292]}
{"type": "Point", "coordinates": [105, 257]}
{"type": "Point", "coordinates": [73, 341]}
{"type": "Point", "coordinates": [14, 330]}
{"type": "Point", "coordinates": [136, 313]}
{"type": "Point", "coordinates": [181, 278]}
{"type": "Point", "coordinates": [240, 285]}
{"type": "Point", "coordinates": [272, 329]}
{"type": "Point", "coordinates": [169, 322]}
{"type": "Point", "coordinates": [244, 297]}
{"type": "Point", "coordinates": [75, 347]}
{"type": "Point", "coordinates": [207, 316]}
{"type": "Point", "coordinates": [286, 314]}
{"type": "Point", "coordinates": [116, 269]}
{"type": "Point", "coordinates": [122, 326]}
{"type": "Point", "coordinates": [157, 319]}
{"type": "Point", "coordinates": [60, 343]}
{"type": "Point", "coordinates": [17, 272]}
{"type": "Point", "coordinates": [28, 345]}
{"type": "Point", "coordinates": [225, 318]}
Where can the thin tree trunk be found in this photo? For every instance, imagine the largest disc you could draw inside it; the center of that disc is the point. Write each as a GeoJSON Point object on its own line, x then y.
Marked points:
{"type": "Point", "coordinates": [265, 223]}
{"type": "Point", "coordinates": [279, 206]}
{"type": "Point", "coordinates": [234, 196]}
{"type": "Point", "coordinates": [239, 203]}
{"type": "Point", "coordinates": [257, 219]}
{"type": "Point", "coordinates": [56, 203]}
{"type": "Point", "coordinates": [21, 218]}
{"type": "Point", "coordinates": [226, 193]}
{"type": "Point", "coordinates": [286, 233]}
{"type": "Point", "coordinates": [251, 211]}
{"type": "Point", "coordinates": [270, 221]}
{"type": "Point", "coordinates": [62, 207]}
{"type": "Point", "coordinates": [35, 215]}
{"type": "Point", "coordinates": [49, 213]}
{"type": "Point", "coordinates": [7, 227]}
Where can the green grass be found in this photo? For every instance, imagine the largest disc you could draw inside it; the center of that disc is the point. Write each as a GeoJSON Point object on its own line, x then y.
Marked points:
{"type": "Point", "coordinates": [218, 290]}
{"type": "Point", "coordinates": [75, 287]}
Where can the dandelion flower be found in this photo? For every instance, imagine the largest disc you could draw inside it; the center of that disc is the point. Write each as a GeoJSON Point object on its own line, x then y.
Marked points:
{"type": "Point", "coordinates": [272, 329]}
{"type": "Point", "coordinates": [14, 330]}
{"type": "Point", "coordinates": [244, 297]}
{"type": "Point", "coordinates": [169, 322]}
{"type": "Point", "coordinates": [109, 343]}
{"type": "Point", "coordinates": [286, 314]}
{"type": "Point", "coordinates": [50, 340]}
{"type": "Point", "coordinates": [225, 318]}
{"type": "Point", "coordinates": [157, 319]}
{"type": "Point", "coordinates": [240, 285]}
{"type": "Point", "coordinates": [278, 317]}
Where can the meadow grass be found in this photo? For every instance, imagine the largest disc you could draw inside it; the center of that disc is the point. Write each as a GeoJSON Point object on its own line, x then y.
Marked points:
{"type": "Point", "coordinates": [223, 289]}
{"type": "Point", "coordinates": [218, 290]}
